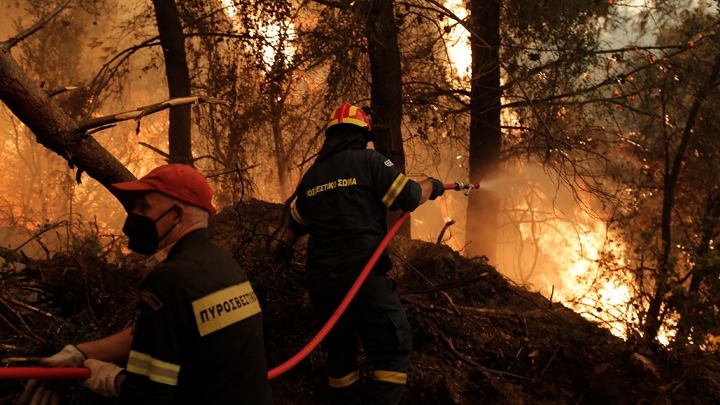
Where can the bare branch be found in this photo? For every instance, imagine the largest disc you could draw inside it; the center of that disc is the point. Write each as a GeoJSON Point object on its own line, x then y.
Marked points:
{"type": "Point", "coordinates": [55, 92]}
{"type": "Point", "coordinates": [156, 150]}
{"type": "Point", "coordinates": [236, 170]}
{"type": "Point", "coordinates": [111, 67]}
{"type": "Point", "coordinates": [341, 4]}
{"type": "Point", "coordinates": [447, 225]}
{"type": "Point", "coordinates": [37, 27]}
{"type": "Point", "coordinates": [143, 111]}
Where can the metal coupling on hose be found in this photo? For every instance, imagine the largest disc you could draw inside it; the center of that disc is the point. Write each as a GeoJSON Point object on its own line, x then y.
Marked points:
{"type": "Point", "coordinates": [468, 188]}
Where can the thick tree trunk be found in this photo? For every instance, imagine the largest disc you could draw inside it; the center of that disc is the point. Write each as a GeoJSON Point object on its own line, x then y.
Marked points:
{"type": "Point", "coordinates": [485, 134]}
{"type": "Point", "coordinates": [386, 86]}
{"type": "Point", "coordinates": [53, 128]}
{"type": "Point", "coordinates": [178, 79]}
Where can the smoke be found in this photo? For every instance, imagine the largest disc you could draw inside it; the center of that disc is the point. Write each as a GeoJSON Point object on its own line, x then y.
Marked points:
{"type": "Point", "coordinates": [42, 204]}
{"type": "Point", "coordinates": [549, 240]}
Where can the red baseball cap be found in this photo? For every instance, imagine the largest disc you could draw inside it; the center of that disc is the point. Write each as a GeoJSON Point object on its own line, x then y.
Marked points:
{"type": "Point", "coordinates": [176, 180]}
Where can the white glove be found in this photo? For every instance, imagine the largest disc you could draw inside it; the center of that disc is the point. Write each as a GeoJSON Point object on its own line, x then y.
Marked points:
{"type": "Point", "coordinates": [44, 392]}
{"type": "Point", "coordinates": [69, 356]}
{"type": "Point", "coordinates": [102, 377]}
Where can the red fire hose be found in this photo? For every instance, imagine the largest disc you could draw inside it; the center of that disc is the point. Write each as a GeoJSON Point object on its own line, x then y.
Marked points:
{"type": "Point", "coordinates": [12, 373]}
{"type": "Point", "coordinates": [55, 373]}
{"type": "Point", "coordinates": [293, 361]}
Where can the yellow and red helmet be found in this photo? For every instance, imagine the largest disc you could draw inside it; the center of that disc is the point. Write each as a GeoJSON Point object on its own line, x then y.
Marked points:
{"type": "Point", "coordinates": [349, 114]}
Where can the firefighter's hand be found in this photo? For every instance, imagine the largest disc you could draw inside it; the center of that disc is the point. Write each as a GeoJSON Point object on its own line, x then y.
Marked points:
{"type": "Point", "coordinates": [102, 378]}
{"type": "Point", "coordinates": [43, 392]}
{"type": "Point", "coordinates": [284, 253]}
{"type": "Point", "coordinates": [438, 188]}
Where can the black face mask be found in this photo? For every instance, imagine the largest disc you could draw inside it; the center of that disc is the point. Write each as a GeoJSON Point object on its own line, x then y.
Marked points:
{"type": "Point", "coordinates": [142, 232]}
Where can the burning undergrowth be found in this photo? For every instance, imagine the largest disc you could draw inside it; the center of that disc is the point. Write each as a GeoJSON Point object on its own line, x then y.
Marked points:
{"type": "Point", "coordinates": [477, 337]}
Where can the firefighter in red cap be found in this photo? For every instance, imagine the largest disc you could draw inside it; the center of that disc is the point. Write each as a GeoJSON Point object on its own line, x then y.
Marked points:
{"type": "Point", "coordinates": [342, 203]}
{"type": "Point", "coordinates": [198, 334]}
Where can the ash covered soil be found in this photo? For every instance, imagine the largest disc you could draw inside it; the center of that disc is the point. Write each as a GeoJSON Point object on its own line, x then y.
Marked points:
{"type": "Point", "coordinates": [477, 337]}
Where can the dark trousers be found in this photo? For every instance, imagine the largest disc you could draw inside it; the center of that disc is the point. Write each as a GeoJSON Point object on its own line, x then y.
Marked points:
{"type": "Point", "coordinates": [377, 319]}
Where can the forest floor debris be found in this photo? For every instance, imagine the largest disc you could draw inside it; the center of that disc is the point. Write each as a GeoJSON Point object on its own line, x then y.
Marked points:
{"type": "Point", "coordinates": [477, 338]}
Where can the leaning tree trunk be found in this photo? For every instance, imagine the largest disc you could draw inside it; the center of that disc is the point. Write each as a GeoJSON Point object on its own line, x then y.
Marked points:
{"type": "Point", "coordinates": [386, 87]}
{"type": "Point", "coordinates": [485, 134]}
{"type": "Point", "coordinates": [172, 41]}
{"type": "Point", "coordinates": [53, 128]}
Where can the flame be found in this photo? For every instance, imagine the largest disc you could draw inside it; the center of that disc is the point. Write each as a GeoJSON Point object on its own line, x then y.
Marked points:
{"type": "Point", "coordinates": [572, 251]}
{"type": "Point", "coordinates": [457, 41]}
{"type": "Point", "coordinates": [272, 33]}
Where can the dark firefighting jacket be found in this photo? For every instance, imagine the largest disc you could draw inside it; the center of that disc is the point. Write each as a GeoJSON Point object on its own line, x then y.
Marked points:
{"type": "Point", "coordinates": [342, 203]}
{"type": "Point", "coordinates": [198, 336]}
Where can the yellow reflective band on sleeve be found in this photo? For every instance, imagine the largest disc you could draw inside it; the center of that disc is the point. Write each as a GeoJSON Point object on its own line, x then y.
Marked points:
{"type": "Point", "coordinates": [395, 189]}
{"type": "Point", "coordinates": [225, 307]}
{"type": "Point", "coordinates": [154, 369]}
{"type": "Point", "coordinates": [296, 215]}
{"type": "Point", "coordinates": [343, 382]}
{"type": "Point", "coordinates": [394, 377]}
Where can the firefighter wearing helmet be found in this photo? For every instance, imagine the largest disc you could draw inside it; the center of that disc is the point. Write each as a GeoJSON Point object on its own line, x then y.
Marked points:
{"type": "Point", "coordinates": [342, 202]}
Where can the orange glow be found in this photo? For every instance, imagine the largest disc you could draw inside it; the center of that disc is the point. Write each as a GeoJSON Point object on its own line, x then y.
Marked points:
{"type": "Point", "coordinates": [458, 41]}
{"type": "Point", "coordinates": [270, 32]}
{"type": "Point", "coordinates": [547, 243]}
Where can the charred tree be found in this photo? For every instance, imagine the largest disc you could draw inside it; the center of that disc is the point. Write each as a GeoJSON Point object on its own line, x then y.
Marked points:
{"type": "Point", "coordinates": [172, 41]}
{"type": "Point", "coordinates": [386, 83]}
{"type": "Point", "coordinates": [485, 132]}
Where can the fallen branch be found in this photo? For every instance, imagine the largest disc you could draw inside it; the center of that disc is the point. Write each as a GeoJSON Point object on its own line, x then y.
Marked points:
{"type": "Point", "coordinates": [419, 273]}
{"type": "Point", "coordinates": [487, 372]}
{"type": "Point", "coordinates": [143, 111]}
{"type": "Point", "coordinates": [451, 302]}
{"type": "Point", "coordinates": [55, 92]}
{"type": "Point", "coordinates": [13, 256]}
{"type": "Point", "coordinates": [445, 287]}
{"type": "Point", "coordinates": [459, 309]}
{"type": "Point", "coordinates": [25, 306]}
{"type": "Point", "coordinates": [442, 231]}
{"type": "Point", "coordinates": [19, 332]}
{"type": "Point", "coordinates": [550, 361]}
{"type": "Point", "coordinates": [501, 313]}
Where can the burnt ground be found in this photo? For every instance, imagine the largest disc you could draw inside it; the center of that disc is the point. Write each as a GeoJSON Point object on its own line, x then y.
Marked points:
{"type": "Point", "coordinates": [477, 337]}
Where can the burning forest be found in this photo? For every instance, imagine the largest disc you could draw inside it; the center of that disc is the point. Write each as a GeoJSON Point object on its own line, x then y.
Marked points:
{"type": "Point", "coordinates": [575, 264]}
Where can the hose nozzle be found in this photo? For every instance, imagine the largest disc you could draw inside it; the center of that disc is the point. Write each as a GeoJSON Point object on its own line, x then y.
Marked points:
{"type": "Point", "coordinates": [459, 185]}
{"type": "Point", "coordinates": [469, 188]}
